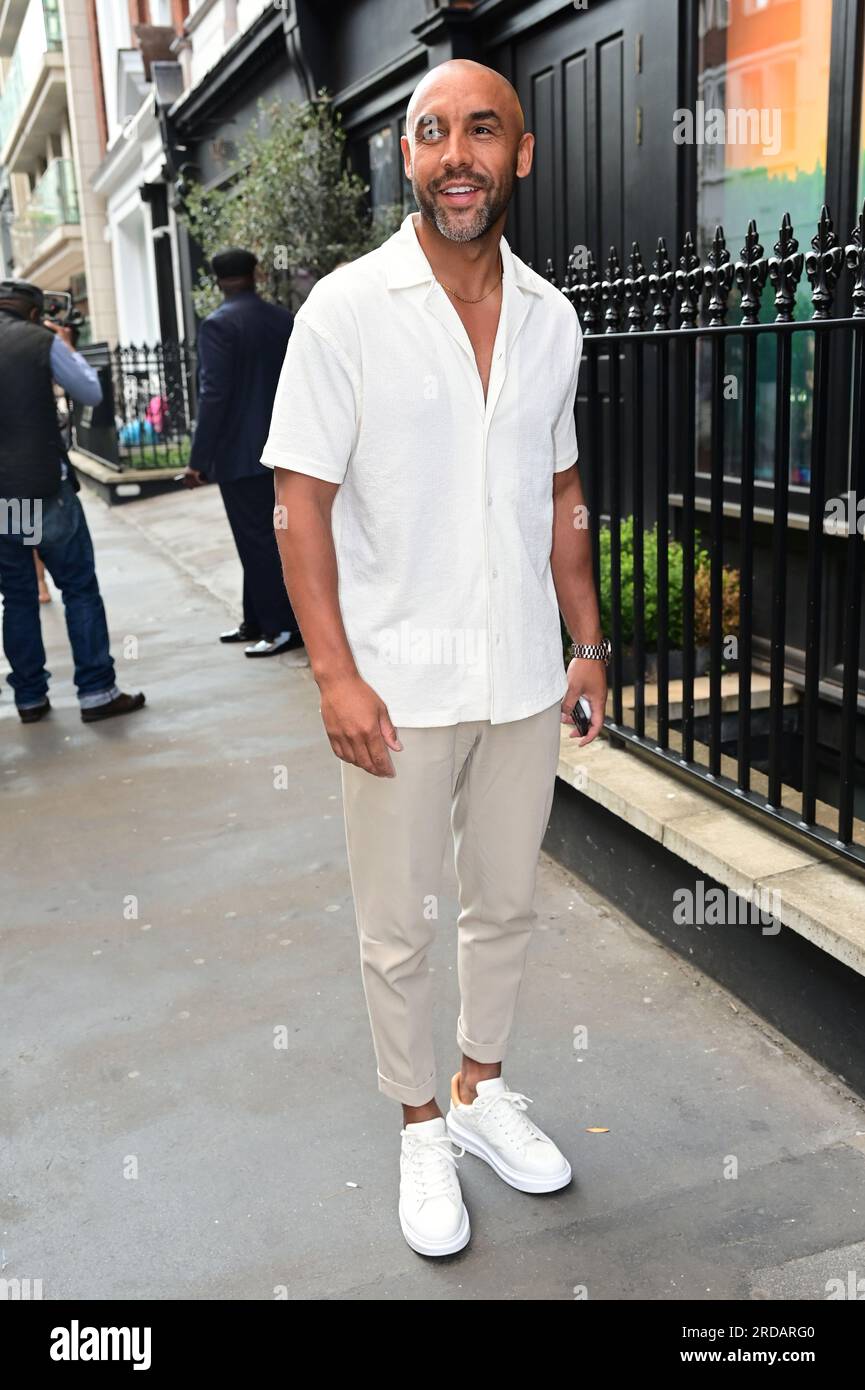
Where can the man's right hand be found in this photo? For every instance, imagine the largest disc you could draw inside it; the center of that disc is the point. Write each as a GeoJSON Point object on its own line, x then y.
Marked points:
{"type": "Point", "coordinates": [64, 333]}
{"type": "Point", "coordinates": [358, 725]}
{"type": "Point", "coordinates": [192, 477]}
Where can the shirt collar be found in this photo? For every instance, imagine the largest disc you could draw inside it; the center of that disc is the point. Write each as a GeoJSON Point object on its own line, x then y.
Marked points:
{"type": "Point", "coordinates": [407, 265]}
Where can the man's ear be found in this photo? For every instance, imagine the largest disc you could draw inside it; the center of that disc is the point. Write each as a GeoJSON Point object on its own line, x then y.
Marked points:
{"type": "Point", "coordinates": [405, 146]}
{"type": "Point", "coordinates": [525, 154]}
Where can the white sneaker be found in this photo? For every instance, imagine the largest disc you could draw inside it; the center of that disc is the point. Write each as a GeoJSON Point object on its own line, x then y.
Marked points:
{"type": "Point", "coordinates": [432, 1213]}
{"type": "Point", "coordinates": [497, 1129]}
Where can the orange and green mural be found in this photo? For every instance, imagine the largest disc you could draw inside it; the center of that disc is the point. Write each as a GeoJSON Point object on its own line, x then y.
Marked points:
{"type": "Point", "coordinates": [769, 59]}
{"type": "Point", "coordinates": [764, 64]}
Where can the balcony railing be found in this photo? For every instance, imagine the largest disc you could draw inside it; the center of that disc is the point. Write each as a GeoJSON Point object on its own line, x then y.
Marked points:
{"type": "Point", "coordinates": [775, 725]}
{"type": "Point", "coordinates": [40, 34]}
{"type": "Point", "coordinates": [53, 204]}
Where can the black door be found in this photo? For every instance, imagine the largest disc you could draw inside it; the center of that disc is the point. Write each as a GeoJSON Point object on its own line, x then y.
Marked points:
{"type": "Point", "coordinates": [598, 91]}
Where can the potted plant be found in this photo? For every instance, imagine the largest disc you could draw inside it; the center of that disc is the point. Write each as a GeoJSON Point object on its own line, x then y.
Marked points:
{"type": "Point", "coordinates": [675, 595]}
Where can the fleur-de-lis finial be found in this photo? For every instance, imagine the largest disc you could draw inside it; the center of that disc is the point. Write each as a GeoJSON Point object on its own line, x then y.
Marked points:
{"type": "Point", "coordinates": [588, 295]}
{"type": "Point", "coordinates": [752, 268]}
{"type": "Point", "coordinates": [572, 277]}
{"type": "Point", "coordinates": [662, 286]}
{"type": "Point", "coordinates": [823, 265]}
{"type": "Point", "coordinates": [718, 277]}
{"type": "Point", "coordinates": [636, 290]}
{"type": "Point", "coordinates": [854, 256]}
{"type": "Point", "coordinates": [689, 283]}
{"type": "Point", "coordinates": [613, 293]}
{"type": "Point", "coordinates": [785, 270]}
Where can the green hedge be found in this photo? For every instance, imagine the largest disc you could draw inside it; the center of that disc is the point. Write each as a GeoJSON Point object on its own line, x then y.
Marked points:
{"type": "Point", "coordinates": [650, 584]}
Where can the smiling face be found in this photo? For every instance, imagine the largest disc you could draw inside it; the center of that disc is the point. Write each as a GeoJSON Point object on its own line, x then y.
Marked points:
{"type": "Point", "coordinates": [464, 147]}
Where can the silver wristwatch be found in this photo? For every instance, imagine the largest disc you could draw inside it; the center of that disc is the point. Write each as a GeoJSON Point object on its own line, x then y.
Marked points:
{"type": "Point", "coordinates": [595, 651]}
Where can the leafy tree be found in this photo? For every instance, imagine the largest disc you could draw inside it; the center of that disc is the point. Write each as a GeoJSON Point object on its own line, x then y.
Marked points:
{"type": "Point", "coordinates": [290, 199]}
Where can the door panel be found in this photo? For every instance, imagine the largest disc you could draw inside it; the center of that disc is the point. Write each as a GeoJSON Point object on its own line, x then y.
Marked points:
{"type": "Point", "coordinates": [597, 179]}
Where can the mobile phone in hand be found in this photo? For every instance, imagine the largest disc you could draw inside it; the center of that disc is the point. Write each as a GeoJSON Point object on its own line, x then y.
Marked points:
{"type": "Point", "coordinates": [582, 715]}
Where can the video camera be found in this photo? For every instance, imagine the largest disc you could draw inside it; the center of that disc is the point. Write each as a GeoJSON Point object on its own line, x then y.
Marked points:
{"type": "Point", "coordinates": [58, 309]}
{"type": "Point", "coordinates": [53, 306]}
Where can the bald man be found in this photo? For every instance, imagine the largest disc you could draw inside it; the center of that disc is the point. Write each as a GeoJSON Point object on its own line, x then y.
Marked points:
{"type": "Point", "coordinates": [430, 525]}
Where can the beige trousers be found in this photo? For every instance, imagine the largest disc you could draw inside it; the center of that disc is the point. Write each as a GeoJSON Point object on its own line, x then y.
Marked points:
{"type": "Point", "coordinates": [492, 784]}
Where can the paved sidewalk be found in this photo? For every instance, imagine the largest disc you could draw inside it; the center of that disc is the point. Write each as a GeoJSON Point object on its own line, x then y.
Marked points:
{"type": "Point", "coordinates": [155, 1141]}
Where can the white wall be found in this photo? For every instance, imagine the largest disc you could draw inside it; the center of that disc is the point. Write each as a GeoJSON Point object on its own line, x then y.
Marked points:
{"type": "Point", "coordinates": [112, 17]}
{"type": "Point", "coordinates": [249, 10]}
{"type": "Point", "coordinates": [135, 278]}
{"type": "Point", "coordinates": [213, 26]}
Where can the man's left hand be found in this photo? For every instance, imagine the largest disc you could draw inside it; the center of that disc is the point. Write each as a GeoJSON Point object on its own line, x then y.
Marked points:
{"type": "Point", "coordinates": [589, 678]}
{"type": "Point", "coordinates": [192, 477]}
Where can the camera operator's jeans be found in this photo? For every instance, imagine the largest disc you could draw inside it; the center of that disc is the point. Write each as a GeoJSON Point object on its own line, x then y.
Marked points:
{"type": "Point", "coordinates": [67, 553]}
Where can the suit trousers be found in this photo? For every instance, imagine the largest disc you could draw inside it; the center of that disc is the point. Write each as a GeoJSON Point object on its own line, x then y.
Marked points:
{"type": "Point", "coordinates": [249, 506]}
{"type": "Point", "coordinates": [492, 786]}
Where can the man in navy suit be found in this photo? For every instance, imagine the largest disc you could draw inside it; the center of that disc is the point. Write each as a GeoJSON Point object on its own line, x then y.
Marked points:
{"type": "Point", "coordinates": [241, 347]}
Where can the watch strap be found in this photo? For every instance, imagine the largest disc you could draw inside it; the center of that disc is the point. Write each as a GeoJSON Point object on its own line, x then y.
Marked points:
{"type": "Point", "coordinates": [593, 651]}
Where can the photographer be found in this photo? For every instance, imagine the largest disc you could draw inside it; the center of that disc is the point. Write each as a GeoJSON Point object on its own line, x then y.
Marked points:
{"type": "Point", "coordinates": [36, 352]}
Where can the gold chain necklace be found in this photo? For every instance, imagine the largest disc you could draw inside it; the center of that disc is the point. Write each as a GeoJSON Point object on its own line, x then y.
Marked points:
{"type": "Point", "coordinates": [483, 296]}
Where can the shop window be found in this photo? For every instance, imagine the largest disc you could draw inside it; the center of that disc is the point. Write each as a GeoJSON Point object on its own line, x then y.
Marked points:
{"type": "Point", "coordinates": [761, 135]}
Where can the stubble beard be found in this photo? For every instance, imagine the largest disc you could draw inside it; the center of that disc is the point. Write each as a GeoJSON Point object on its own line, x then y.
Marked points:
{"type": "Point", "coordinates": [454, 225]}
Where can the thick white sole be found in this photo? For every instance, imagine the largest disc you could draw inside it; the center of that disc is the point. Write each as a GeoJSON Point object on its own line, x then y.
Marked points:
{"type": "Point", "coordinates": [523, 1182]}
{"type": "Point", "coordinates": [440, 1247]}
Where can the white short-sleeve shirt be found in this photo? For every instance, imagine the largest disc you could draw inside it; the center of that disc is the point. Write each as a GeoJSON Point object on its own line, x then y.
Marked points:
{"type": "Point", "coordinates": [443, 521]}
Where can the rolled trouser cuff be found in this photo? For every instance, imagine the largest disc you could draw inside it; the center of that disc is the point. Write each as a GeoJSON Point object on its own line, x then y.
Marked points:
{"type": "Point", "coordinates": [99, 697]}
{"type": "Point", "coordinates": [479, 1052]}
{"type": "Point", "coordinates": [408, 1095]}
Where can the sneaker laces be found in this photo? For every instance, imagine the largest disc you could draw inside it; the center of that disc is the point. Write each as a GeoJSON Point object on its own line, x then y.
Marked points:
{"type": "Point", "coordinates": [429, 1171]}
{"type": "Point", "coordinates": [510, 1116]}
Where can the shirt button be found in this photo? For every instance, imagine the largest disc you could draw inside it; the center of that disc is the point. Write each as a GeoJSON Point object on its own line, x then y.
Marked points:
{"type": "Point", "coordinates": [498, 638]}
{"type": "Point", "coordinates": [495, 574]}
{"type": "Point", "coordinates": [489, 500]}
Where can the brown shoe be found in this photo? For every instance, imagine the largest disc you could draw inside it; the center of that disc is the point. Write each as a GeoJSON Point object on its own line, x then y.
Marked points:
{"type": "Point", "coordinates": [36, 712]}
{"type": "Point", "coordinates": [121, 704]}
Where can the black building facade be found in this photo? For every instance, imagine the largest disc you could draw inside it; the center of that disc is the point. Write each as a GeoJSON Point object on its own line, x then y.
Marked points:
{"type": "Point", "coordinates": [600, 84]}
{"type": "Point", "coordinates": [653, 119]}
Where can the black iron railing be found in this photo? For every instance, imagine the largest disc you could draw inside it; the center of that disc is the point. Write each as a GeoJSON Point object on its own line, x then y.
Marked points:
{"type": "Point", "coordinates": [689, 423]}
{"type": "Point", "coordinates": [145, 417]}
